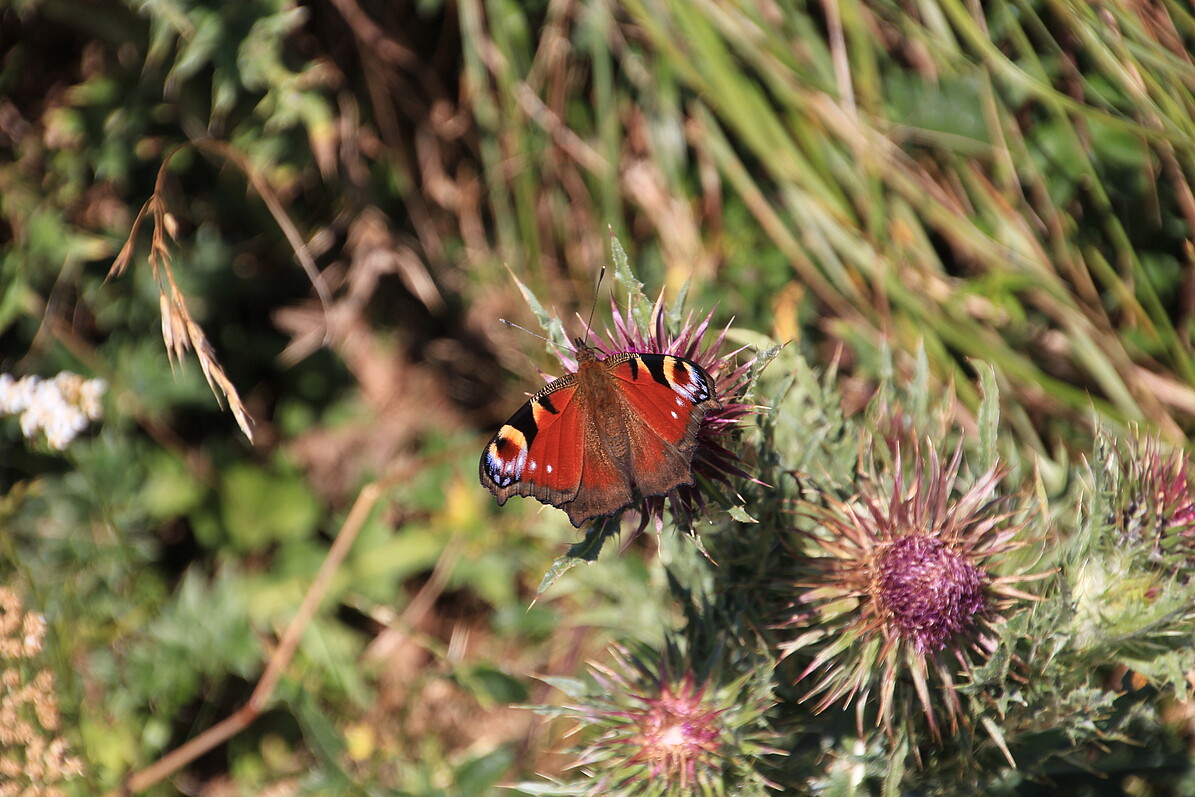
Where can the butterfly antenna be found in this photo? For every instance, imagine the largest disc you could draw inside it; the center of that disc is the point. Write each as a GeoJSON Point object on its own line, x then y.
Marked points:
{"type": "Point", "coordinates": [597, 286]}
{"type": "Point", "coordinates": [549, 341]}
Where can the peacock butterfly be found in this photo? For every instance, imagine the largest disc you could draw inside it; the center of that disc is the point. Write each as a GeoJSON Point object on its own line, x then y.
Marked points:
{"type": "Point", "coordinates": [589, 442]}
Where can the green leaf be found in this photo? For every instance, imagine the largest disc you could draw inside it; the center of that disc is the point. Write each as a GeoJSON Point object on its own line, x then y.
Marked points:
{"type": "Point", "coordinates": [674, 313]}
{"type": "Point", "coordinates": [262, 507]}
{"type": "Point", "coordinates": [324, 740]}
{"type": "Point", "coordinates": [198, 47]}
{"type": "Point", "coordinates": [573, 687]}
{"type": "Point", "coordinates": [739, 513]}
{"type": "Point", "coordinates": [553, 788]}
{"type": "Point", "coordinates": [560, 566]}
{"type": "Point", "coordinates": [989, 417]}
{"type": "Point", "coordinates": [170, 490]}
{"type": "Point", "coordinates": [480, 775]}
{"type": "Point", "coordinates": [557, 339]}
{"type": "Point", "coordinates": [492, 686]}
{"type": "Point", "coordinates": [637, 304]}
{"type": "Point", "coordinates": [894, 777]}
{"type": "Point", "coordinates": [1118, 144]}
{"type": "Point", "coordinates": [586, 551]}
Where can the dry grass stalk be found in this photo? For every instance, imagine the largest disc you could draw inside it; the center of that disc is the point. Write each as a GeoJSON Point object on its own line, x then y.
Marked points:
{"type": "Point", "coordinates": [283, 653]}
{"type": "Point", "coordinates": [179, 330]}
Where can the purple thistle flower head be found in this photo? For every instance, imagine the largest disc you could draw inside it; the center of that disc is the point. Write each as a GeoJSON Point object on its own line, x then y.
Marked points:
{"type": "Point", "coordinates": [1156, 503]}
{"type": "Point", "coordinates": [926, 590]}
{"type": "Point", "coordinates": [907, 585]}
{"type": "Point", "coordinates": [675, 732]}
{"type": "Point", "coordinates": [665, 733]}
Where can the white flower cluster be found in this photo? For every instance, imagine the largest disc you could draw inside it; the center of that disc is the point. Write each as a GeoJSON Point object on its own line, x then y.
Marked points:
{"type": "Point", "coordinates": [61, 407]}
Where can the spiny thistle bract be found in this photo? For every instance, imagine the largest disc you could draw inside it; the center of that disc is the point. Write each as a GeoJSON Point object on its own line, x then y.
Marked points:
{"type": "Point", "coordinates": [1154, 504]}
{"type": "Point", "coordinates": [1129, 565]}
{"type": "Point", "coordinates": [664, 732]}
{"type": "Point", "coordinates": [905, 589]}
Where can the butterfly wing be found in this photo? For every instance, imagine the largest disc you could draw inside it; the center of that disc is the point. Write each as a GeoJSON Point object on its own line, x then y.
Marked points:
{"type": "Point", "coordinates": [538, 452]}
{"type": "Point", "coordinates": [665, 397]}
{"type": "Point", "coordinates": [605, 478]}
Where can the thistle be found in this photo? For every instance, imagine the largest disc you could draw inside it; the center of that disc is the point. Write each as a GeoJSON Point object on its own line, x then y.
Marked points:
{"type": "Point", "coordinates": [1154, 503]}
{"type": "Point", "coordinates": [666, 734]}
{"type": "Point", "coordinates": [1137, 544]}
{"type": "Point", "coordinates": [906, 591]}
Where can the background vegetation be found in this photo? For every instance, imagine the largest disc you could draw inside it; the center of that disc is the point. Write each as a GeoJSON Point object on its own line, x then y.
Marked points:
{"type": "Point", "coordinates": [339, 195]}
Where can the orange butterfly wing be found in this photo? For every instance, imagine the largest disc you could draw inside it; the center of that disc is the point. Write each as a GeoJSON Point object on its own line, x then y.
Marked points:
{"type": "Point", "coordinates": [535, 453]}
{"type": "Point", "coordinates": [666, 397]}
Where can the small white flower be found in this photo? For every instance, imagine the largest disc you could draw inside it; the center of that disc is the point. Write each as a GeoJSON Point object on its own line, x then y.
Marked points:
{"type": "Point", "coordinates": [62, 427]}
{"type": "Point", "coordinates": [89, 398]}
{"type": "Point", "coordinates": [35, 633]}
{"type": "Point", "coordinates": [6, 393]}
{"type": "Point", "coordinates": [33, 419]}
{"type": "Point", "coordinates": [61, 407]}
{"type": "Point", "coordinates": [16, 396]}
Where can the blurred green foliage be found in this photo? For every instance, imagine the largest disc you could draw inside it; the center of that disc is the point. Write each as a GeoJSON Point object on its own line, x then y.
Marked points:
{"type": "Point", "coordinates": [900, 191]}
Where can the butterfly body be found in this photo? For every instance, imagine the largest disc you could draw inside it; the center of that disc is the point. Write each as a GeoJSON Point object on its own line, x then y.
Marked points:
{"type": "Point", "coordinates": [590, 442]}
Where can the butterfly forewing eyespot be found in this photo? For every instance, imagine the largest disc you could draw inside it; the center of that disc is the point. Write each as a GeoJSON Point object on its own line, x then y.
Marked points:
{"type": "Point", "coordinates": [684, 378]}
{"type": "Point", "coordinates": [506, 456]}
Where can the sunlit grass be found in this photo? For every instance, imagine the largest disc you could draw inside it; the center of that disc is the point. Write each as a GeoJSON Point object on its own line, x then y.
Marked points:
{"type": "Point", "coordinates": [1007, 182]}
